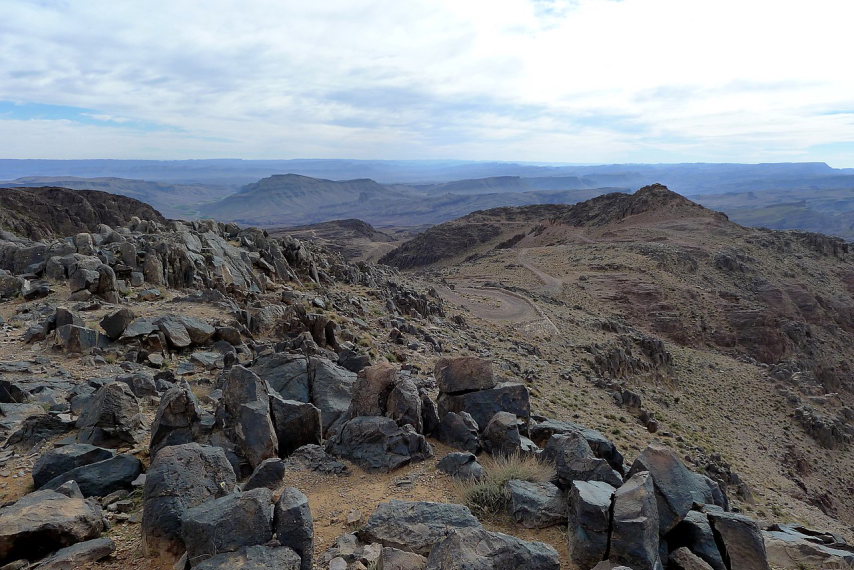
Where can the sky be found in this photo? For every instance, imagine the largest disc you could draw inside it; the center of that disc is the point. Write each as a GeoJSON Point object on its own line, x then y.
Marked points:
{"type": "Point", "coordinates": [574, 81]}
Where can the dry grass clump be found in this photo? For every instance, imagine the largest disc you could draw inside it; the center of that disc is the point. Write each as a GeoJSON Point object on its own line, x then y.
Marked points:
{"type": "Point", "coordinates": [488, 495]}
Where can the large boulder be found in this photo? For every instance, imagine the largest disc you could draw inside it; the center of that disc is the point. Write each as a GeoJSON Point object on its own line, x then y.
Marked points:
{"type": "Point", "coordinates": [294, 526]}
{"type": "Point", "coordinates": [115, 323]}
{"type": "Point", "coordinates": [101, 478]}
{"type": "Point", "coordinates": [741, 540]}
{"type": "Point", "coordinates": [244, 415]}
{"type": "Point", "coordinates": [181, 477]}
{"type": "Point", "coordinates": [536, 505]}
{"type": "Point", "coordinates": [479, 549]}
{"type": "Point", "coordinates": [180, 419]}
{"type": "Point", "coordinates": [198, 330]}
{"type": "Point", "coordinates": [634, 529]}
{"type": "Point", "coordinates": [394, 559]}
{"type": "Point", "coordinates": [483, 404]}
{"type": "Point", "coordinates": [501, 435]}
{"type": "Point", "coordinates": [459, 431]}
{"type": "Point", "coordinates": [463, 374]}
{"type": "Point", "coordinates": [684, 559]}
{"type": "Point", "coordinates": [415, 526]}
{"type": "Point", "coordinates": [589, 518]}
{"type": "Point", "coordinates": [174, 331]}
{"type": "Point", "coordinates": [793, 548]}
{"type": "Point", "coordinates": [574, 461]}
{"type": "Point", "coordinates": [79, 555]}
{"type": "Point", "coordinates": [404, 404]}
{"type": "Point", "coordinates": [112, 418]}
{"type": "Point", "coordinates": [296, 424]}
{"type": "Point", "coordinates": [372, 389]}
{"type": "Point", "coordinates": [461, 465]}
{"type": "Point", "coordinates": [45, 521]}
{"type": "Point", "coordinates": [270, 474]}
{"type": "Point", "coordinates": [695, 533]}
{"type": "Point", "coordinates": [75, 338]}
{"type": "Point", "coordinates": [226, 524]}
{"type": "Point", "coordinates": [332, 391]}
{"type": "Point", "coordinates": [602, 447]}
{"type": "Point", "coordinates": [286, 374]}
{"type": "Point", "coordinates": [253, 558]}
{"type": "Point", "coordinates": [677, 488]}
{"type": "Point", "coordinates": [60, 460]}
{"type": "Point", "coordinates": [379, 444]}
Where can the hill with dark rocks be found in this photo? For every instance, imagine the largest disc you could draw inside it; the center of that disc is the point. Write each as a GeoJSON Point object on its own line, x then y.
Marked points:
{"type": "Point", "coordinates": [209, 396]}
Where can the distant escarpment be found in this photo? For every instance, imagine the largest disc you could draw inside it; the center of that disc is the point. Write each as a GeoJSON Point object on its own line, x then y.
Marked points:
{"type": "Point", "coordinates": [38, 213]}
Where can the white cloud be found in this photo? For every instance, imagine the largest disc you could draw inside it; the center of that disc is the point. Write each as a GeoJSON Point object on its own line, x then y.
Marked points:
{"type": "Point", "coordinates": [559, 80]}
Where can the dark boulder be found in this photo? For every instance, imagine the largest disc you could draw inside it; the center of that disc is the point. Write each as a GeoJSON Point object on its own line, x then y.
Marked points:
{"type": "Point", "coordinates": [244, 415]}
{"type": "Point", "coordinates": [743, 546]}
{"type": "Point", "coordinates": [589, 518]}
{"type": "Point", "coordinates": [112, 418]}
{"type": "Point", "coordinates": [253, 558]}
{"type": "Point", "coordinates": [602, 447]}
{"type": "Point", "coordinates": [181, 477]}
{"type": "Point", "coordinates": [536, 505]}
{"type": "Point", "coordinates": [286, 374]}
{"type": "Point", "coordinates": [574, 461]}
{"type": "Point", "coordinates": [79, 555]}
{"type": "Point", "coordinates": [372, 389]}
{"type": "Point", "coordinates": [270, 474]}
{"type": "Point", "coordinates": [404, 404]}
{"type": "Point", "coordinates": [695, 532]}
{"type": "Point", "coordinates": [101, 478]}
{"type": "Point", "coordinates": [227, 524]}
{"type": "Point", "coordinates": [483, 404]}
{"type": "Point", "coordinates": [634, 527]}
{"type": "Point", "coordinates": [180, 419]}
{"type": "Point", "coordinates": [379, 444]}
{"type": "Point", "coordinates": [415, 526]}
{"type": "Point", "coordinates": [294, 526]}
{"type": "Point", "coordinates": [45, 521]}
{"type": "Point", "coordinates": [117, 322]}
{"type": "Point", "coordinates": [501, 435]}
{"type": "Point", "coordinates": [332, 391]}
{"type": "Point", "coordinates": [296, 424]}
{"type": "Point", "coordinates": [461, 465]}
{"type": "Point", "coordinates": [74, 338]}
{"type": "Point", "coordinates": [459, 430]}
{"type": "Point", "coordinates": [479, 549]}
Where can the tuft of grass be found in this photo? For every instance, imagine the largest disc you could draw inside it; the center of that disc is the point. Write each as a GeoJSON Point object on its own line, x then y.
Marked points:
{"type": "Point", "coordinates": [489, 496]}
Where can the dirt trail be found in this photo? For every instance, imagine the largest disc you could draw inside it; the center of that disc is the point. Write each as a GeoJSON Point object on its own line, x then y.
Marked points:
{"type": "Point", "coordinates": [495, 304]}
{"type": "Point", "coordinates": [552, 285]}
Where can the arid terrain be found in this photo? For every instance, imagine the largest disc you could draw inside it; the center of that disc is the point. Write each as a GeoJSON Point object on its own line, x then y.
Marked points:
{"type": "Point", "coordinates": [715, 358]}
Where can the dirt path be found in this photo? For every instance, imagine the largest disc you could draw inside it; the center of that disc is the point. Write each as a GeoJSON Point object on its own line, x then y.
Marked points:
{"type": "Point", "coordinates": [495, 304]}
{"type": "Point", "coordinates": [552, 285]}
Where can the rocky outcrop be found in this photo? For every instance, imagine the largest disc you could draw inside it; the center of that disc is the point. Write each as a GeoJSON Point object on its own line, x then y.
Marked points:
{"type": "Point", "coordinates": [479, 549]}
{"type": "Point", "coordinates": [378, 444]}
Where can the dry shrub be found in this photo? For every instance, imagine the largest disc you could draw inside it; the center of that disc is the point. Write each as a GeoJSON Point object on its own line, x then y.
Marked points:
{"type": "Point", "coordinates": [489, 496]}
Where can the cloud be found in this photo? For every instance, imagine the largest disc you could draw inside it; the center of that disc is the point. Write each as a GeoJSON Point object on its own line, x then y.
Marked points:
{"type": "Point", "coordinates": [540, 80]}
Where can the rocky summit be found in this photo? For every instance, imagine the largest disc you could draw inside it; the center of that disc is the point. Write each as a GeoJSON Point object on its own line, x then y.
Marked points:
{"type": "Point", "coordinates": [630, 382]}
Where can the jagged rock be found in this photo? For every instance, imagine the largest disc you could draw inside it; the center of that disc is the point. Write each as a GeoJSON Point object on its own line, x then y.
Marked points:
{"type": "Point", "coordinates": [296, 424]}
{"type": "Point", "coordinates": [74, 338]}
{"type": "Point", "coordinates": [112, 418]}
{"type": "Point", "coordinates": [139, 327]}
{"type": "Point", "coordinates": [314, 458]}
{"type": "Point", "coordinates": [463, 374]}
{"type": "Point", "coordinates": [589, 521]}
{"type": "Point", "coordinates": [394, 559]}
{"type": "Point", "coordinates": [743, 546]}
{"type": "Point", "coordinates": [415, 526]}
{"type": "Point", "coordinates": [37, 429]}
{"type": "Point", "coordinates": [695, 532]}
{"type": "Point", "coordinates": [253, 558]}
{"type": "Point", "coordinates": [294, 526]}
{"type": "Point", "coordinates": [501, 435]}
{"type": "Point", "coordinates": [404, 404]}
{"type": "Point", "coordinates": [793, 548]}
{"type": "Point", "coordinates": [140, 384]}
{"type": "Point", "coordinates": [78, 555]}
{"type": "Point", "coordinates": [461, 465]}
{"type": "Point", "coordinates": [684, 559]}
{"type": "Point", "coordinates": [180, 419]}
{"type": "Point", "coordinates": [101, 478]}
{"type": "Point", "coordinates": [181, 477]}
{"type": "Point", "coordinates": [353, 361]}
{"type": "Point", "coordinates": [198, 330]}
{"type": "Point", "coordinates": [677, 488]}
{"type": "Point", "coordinates": [378, 444]}
{"type": "Point", "coordinates": [245, 411]}
{"type": "Point", "coordinates": [602, 447]}
{"type": "Point", "coordinates": [429, 415]}
{"type": "Point", "coordinates": [372, 389]}
{"type": "Point", "coordinates": [269, 474]}
{"type": "Point", "coordinates": [574, 461]}
{"type": "Point", "coordinates": [536, 505]}
{"type": "Point", "coordinates": [479, 549]}
{"type": "Point", "coordinates": [287, 374]}
{"type": "Point", "coordinates": [226, 524]}
{"type": "Point", "coordinates": [230, 335]}
{"type": "Point", "coordinates": [332, 390]}
{"type": "Point", "coordinates": [117, 322]}
{"type": "Point", "coordinates": [634, 528]}
{"type": "Point", "coordinates": [175, 332]}
{"type": "Point", "coordinates": [459, 431]}
{"type": "Point", "coordinates": [62, 316]}
{"type": "Point", "coordinates": [483, 404]}
{"type": "Point", "coordinates": [44, 521]}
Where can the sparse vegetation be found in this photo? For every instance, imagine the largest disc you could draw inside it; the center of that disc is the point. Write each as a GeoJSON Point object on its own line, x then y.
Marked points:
{"type": "Point", "coordinates": [488, 496]}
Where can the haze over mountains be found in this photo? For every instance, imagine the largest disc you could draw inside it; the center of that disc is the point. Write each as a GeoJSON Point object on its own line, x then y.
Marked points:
{"type": "Point", "coordinates": [808, 196]}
